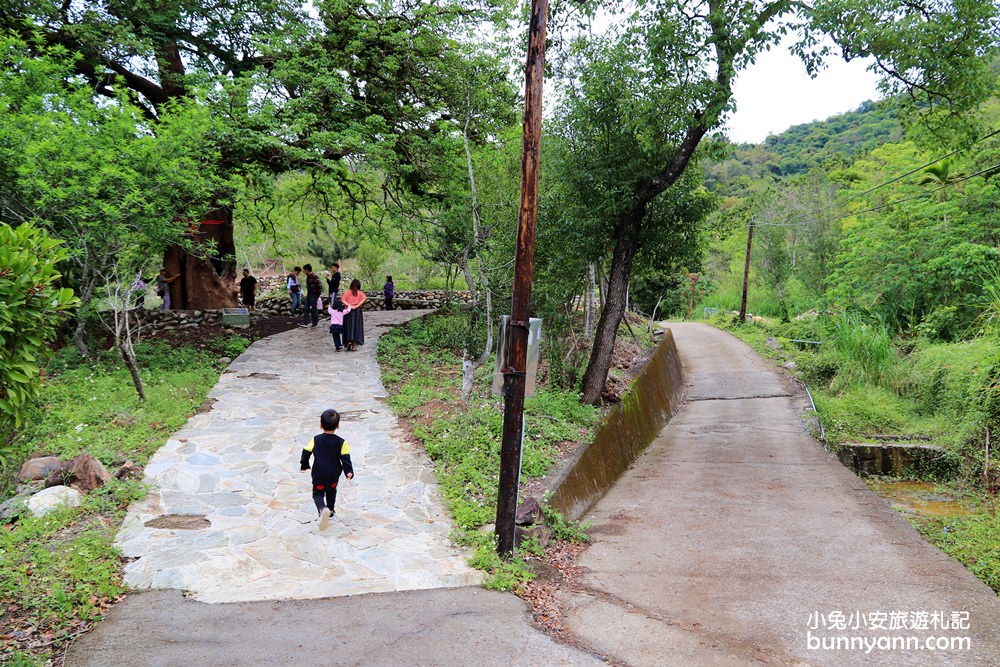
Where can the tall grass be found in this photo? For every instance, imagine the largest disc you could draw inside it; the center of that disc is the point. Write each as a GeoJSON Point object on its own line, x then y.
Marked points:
{"type": "Point", "coordinates": [867, 355]}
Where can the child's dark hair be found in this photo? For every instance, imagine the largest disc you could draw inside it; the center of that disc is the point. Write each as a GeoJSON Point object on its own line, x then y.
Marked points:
{"type": "Point", "coordinates": [388, 279]}
{"type": "Point", "coordinates": [338, 305]}
{"type": "Point", "coordinates": [329, 420]}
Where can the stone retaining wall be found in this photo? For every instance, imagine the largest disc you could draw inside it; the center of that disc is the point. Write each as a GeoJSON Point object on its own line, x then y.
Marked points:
{"type": "Point", "coordinates": [655, 397]}
{"type": "Point", "coordinates": [171, 320]}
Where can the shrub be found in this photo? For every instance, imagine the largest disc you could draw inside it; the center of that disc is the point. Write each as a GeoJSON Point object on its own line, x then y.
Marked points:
{"type": "Point", "coordinates": [31, 306]}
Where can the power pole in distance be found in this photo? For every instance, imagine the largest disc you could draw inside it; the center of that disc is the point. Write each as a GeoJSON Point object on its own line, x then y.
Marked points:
{"type": "Point", "coordinates": [746, 274]}
{"type": "Point", "coordinates": [520, 310]}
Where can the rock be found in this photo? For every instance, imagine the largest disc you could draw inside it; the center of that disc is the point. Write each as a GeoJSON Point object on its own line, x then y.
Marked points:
{"type": "Point", "coordinates": [489, 529]}
{"type": "Point", "coordinates": [774, 343]}
{"type": "Point", "coordinates": [128, 469]}
{"type": "Point", "coordinates": [225, 361]}
{"type": "Point", "coordinates": [83, 472]}
{"type": "Point", "coordinates": [529, 513]}
{"type": "Point", "coordinates": [790, 365]}
{"type": "Point", "coordinates": [52, 498]}
{"type": "Point", "coordinates": [39, 468]}
{"type": "Point", "coordinates": [13, 508]}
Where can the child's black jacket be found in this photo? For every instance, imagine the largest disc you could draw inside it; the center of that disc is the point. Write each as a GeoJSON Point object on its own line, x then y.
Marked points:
{"type": "Point", "coordinates": [332, 457]}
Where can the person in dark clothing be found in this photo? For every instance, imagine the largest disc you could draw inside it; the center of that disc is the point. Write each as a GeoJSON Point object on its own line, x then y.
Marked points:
{"type": "Point", "coordinates": [331, 457]}
{"type": "Point", "coordinates": [248, 289]}
{"type": "Point", "coordinates": [388, 292]}
{"type": "Point", "coordinates": [333, 282]}
{"type": "Point", "coordinates": [314, 292]}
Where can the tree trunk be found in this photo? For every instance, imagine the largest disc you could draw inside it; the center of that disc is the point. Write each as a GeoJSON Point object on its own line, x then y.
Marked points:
{"type": "Point", "coordinates": [127, 354]}
{"type": "Point", "coordinates": [80, 331]}
{"type": "Point", "coordinates": [588, 323]}
{"type": "Point", "coordinates": [614, 308]}
{"type": "Point", "coordinates": [207, 276]}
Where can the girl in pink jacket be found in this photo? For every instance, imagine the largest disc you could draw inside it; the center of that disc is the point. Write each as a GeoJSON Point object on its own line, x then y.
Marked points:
{"type": "Point", "coordinates": [337, 311]}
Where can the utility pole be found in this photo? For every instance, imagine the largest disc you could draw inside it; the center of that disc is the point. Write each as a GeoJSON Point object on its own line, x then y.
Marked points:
{"type": "Point", "coordinates": [520, 310]}
{"type": "Point", "coordinates": [746, 274]}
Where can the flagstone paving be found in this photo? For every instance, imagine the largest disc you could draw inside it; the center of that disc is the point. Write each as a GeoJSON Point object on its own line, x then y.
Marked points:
{"type": "Point", "coordinates": [237, 466]}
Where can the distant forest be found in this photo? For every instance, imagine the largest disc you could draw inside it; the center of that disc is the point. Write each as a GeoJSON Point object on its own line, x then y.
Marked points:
{"type": "Point", "coordinates": [832, 143]}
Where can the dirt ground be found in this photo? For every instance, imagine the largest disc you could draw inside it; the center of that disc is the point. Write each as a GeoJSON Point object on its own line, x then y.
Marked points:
{"type": "Point", "coordinates": [261, 326]}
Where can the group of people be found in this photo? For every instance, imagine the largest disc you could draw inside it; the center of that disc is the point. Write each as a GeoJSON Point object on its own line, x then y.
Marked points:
{"type": "Point", "coordinates": [347, 324]}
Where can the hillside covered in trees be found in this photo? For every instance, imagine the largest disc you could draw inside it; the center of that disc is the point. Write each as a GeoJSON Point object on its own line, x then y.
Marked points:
{"type": "Point", "coordinates": [747, 168]}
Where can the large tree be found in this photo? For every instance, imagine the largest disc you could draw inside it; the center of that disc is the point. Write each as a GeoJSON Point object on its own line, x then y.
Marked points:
{"type": "Point", "coordinates": [344, 84]}
{"type": "Point", "coordinates": [95, 175]}
{"type": "Point", "coordinates": [686, 54]}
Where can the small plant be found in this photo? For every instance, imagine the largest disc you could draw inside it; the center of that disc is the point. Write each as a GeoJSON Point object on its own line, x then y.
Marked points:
{"type": "Point", "coordinates": [502, 575]}
{"type": "Point", "coordinates": [570, 531]}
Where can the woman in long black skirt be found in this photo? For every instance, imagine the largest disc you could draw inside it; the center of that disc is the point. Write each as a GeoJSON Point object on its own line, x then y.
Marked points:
{"type": "Point", "coordinates": [354, 321]}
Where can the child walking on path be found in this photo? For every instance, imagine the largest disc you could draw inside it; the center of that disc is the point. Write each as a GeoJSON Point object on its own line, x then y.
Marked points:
{"type": "Point", "coordinates": [337, 311]}
{"type": "Point", "coordinates": [332, 457]}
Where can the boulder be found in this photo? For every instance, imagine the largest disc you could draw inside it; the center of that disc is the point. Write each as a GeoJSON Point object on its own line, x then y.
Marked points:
{"type": "Point", "coordinates": [39, 468]}
{"type": "Point", "coordinates": [529, 513]}
{"type": "Point", "coordinates": [52, 498]}
{"type": "Point", "coordinates": [13, 508]}
{"type": "Point", "coordinates": [774, 343]}
{"type": "Point", "coordinates": [83, 472]}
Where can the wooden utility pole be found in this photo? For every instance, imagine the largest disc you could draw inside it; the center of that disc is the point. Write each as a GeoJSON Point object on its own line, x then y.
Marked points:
{"type": "Point", "coordinates": [520, 310]}
{"type": "Point", "coordinates": [746, 274]}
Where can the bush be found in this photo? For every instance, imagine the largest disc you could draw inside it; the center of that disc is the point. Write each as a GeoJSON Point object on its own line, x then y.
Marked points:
{"type": "Point", "coordinates": [31, 307]}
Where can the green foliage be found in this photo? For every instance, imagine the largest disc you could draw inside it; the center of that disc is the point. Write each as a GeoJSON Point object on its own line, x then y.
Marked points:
{"type": "Point", "coordinates": [973, 541]}
{"type": "Point", "coordinates": [464, 441]}
{"type": "Point", "coordinates": [746, 169]}
{"type": "Point", "coordinates": [31, 306]}
{"type": "Point", "coordinates": [329, 250]}
{"type": "Point", "coordinates": [228, 346]}
{"type": "Point", "coordinates": [63, 569]}
{"type": "Point", "coordinates": [370, 259]}
{"type": "Point", "coordinates": [93, 407]}
{"type": "Point", "coordinates": [867, 355]}
{"type": "Point", "coordinates": [570, 531]}
{"type": "Point", "coordinates": [504, 575]}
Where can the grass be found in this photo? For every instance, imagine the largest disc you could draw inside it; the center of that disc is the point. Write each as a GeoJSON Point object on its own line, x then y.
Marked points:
{"type": "Point", "coordinates": [59, 573]}
{"type": "Point", "coordinates": [94, 407]}
{"type": "Point", "coordinates": [974, 541]}
{"type": "Point", "coordinates": [421, 368]}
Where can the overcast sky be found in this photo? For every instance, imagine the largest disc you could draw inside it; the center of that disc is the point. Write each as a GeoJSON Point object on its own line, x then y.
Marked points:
{"type": "Point", "coordinates": [775, 93]}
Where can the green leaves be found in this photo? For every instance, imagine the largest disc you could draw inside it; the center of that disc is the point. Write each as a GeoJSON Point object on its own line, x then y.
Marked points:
{"type": "Point", "coordinates": [31, 306]}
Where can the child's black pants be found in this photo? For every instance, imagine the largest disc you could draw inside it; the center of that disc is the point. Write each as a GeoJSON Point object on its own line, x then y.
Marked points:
{"type": "Point", "coordinates": [327, 492]}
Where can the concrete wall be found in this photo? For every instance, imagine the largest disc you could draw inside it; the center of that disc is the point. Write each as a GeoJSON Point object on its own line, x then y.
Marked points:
{"type": "Point", "coordinates": [655, 397]}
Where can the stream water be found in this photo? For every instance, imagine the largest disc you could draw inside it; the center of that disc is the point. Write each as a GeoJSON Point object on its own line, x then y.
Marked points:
{"type": "Point", "coordinates": [920, 498]}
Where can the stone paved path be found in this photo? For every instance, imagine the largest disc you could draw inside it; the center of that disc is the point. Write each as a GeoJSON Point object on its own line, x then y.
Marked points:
{"type": "Point", "coordinates": [237, 466]}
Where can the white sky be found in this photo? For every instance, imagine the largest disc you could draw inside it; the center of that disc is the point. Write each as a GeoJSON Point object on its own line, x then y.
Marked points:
{"type": "Point", "coordinates": [776, 93]}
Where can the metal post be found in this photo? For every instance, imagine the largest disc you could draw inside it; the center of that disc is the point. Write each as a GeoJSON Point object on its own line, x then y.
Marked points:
{"type": "Point", "coordinates": [746, 274]}
{"type": "Point", "coordinates": [524, 257]}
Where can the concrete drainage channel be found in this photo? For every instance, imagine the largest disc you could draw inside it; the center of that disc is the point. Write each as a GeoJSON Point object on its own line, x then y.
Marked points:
{"type": "Point", "coordinates": [655, 397]}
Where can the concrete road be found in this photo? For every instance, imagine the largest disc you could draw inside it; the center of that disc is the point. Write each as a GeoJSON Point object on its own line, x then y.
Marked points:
{"type": "Point", "coordinates": [446, 627]}
{"type": "Point", "coordinates": [736, 539]}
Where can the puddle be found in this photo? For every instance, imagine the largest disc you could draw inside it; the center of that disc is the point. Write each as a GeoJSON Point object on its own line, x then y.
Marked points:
{"type": "Point", "coordinates": [921, 499]}
{"type": "Point", "coordinates": [180, 522]}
